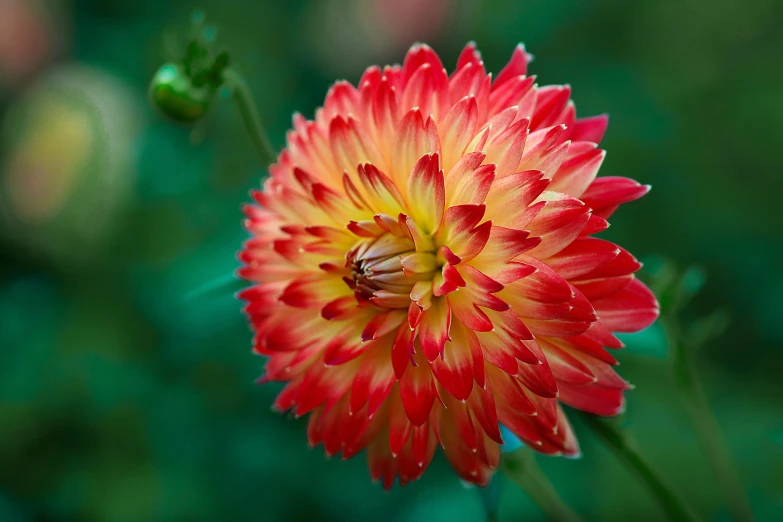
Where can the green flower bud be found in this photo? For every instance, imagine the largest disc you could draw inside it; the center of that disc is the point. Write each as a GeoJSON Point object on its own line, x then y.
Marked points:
{"type": "Point", "coordinates": [174, 94]}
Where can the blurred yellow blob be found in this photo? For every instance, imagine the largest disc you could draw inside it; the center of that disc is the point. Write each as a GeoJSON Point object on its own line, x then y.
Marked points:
{"type": "Point", "coordinates": [42, 172]}
{"type": "Point", "coordinates": [69, 162]}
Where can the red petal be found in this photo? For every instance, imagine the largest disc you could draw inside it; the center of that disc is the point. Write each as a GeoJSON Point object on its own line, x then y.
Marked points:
{"type": "Point", "coordinates": [418, 391]}
{"type": "Point", "coordinates": [402, 350]}
{"type": "Point", "coordinates": [454, 371]}
{"type": "Point", "coordinates": [418, 55]}
{"type": "Point", "coordinates": [428, 89]}
{"type": "Point", "coordinates": [427, 193]}
{"type": "Point", "coordinates": [601, 401]}
{"type": "Point", "coordinates": [413, 139]}
{"type": "Point", "coordinates": [544, 285]}
{"type": "Point", "coordinates": [373, 380]}
{"type": "Point", "coordinates": [622, 265]}
{"type": "Point", "coordinates": [552, 99]}
{"type": "Point", "coordinates": [631, 309]}
{"type": "Point", "coordinates": [433, 330]}
{"type": "Point", "coordinates": [510, 197]}
{"type": "Point", "coordinates": [566, 367]}
{"type": "Point", "coordinates": [459, 231]}
{"type": "Point", "coordinates": [578, 170]}
{"type": "Point", "coordinates": [597, 288]}
{"type": "Point", "coordinates": [582, 257]}
{"type": "Point", "coordinates": [384, 197]}
{"type": "Point", "coordinates": [382, 324]}
{"type": "Point", "coordinates": [340, 307]}
{"type": "Point", "coordinates": [589, 129]}
{"type": "Point", "coordinates": [517, 66]}
{"type": "Point", "coordinates": [510, 393]}
{"type": "Point", "coordinates": [558, 223]}
{"type": "Point", "coordinates": [457, 129]}
{"type": "Point", "coordinates": [607, 193]}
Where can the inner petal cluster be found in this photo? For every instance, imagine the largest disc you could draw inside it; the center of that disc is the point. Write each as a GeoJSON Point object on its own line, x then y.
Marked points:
{"type": "Point", "coordinates": [384, 270]}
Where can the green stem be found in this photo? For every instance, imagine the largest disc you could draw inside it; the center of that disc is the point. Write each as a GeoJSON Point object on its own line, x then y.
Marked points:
{"type": "Point", "coordinates": [619, 442]}
{"type": "Point", "coordinates": [704, 423]}
{"type": "Point", "coordinates": [490, 497]}
{"type": "Point", "coordinates": [250, 117]}
{"type": "Point", "coordinates": [520, 466]}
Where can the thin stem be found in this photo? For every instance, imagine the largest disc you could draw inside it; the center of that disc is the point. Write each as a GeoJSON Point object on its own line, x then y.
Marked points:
{"type": "Point", "coordinates": [490, 497]}
{"type": "Point", "coordinates": [619, 442]}
{"type": "Point", "coordinates": [520, 466]}
{"type": "Point", "coordinates": [704, 422]}
{"type": "Point", "coordinates": [250, 117]}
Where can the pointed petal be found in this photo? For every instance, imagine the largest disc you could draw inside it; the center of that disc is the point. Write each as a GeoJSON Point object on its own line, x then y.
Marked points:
{"type": "Point", "coordinates": [460, 233]}
{"type": "Point", "coordinates": [517, 66]}
{"type": "Point", "coordinates": [578, 170]}
{"type": "Point", "coordinates": [434, 328]}
{"type": "Point", "coordinates": [605, 194]}
{"type": "Point", "coordinates": [454, 371]}
{"type": "Point", "coordinates": [383, 197]}
{"type": "Point", "coordinates": [590, 129]}
{"type": "Point", "coordinates": [631, 309]}
{"type": "Point", "coordinates": [457, 129]}
{"type": "Point", "coordinates": [582, 256]}
{"type": "Point", "coordinates": [467, 183]}
{"type": "Point", "coordinates": [427, 193]}
{"type": "Point", "coordinates": [414, 138]}
{"type": "Point", "coordinates": [417, 389]}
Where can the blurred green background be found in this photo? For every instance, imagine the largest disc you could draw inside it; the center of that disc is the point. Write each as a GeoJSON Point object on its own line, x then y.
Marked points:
{"type": "Point", "coordinates": [125, 397]}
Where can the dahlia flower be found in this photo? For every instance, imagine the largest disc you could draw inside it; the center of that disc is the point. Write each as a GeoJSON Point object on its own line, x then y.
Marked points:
{"type": "Point", "coordinates": [424, 267]}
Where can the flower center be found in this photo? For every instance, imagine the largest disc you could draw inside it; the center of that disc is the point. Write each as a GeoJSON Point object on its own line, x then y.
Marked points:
{"type": "Point", "coordinates": [384, 270]}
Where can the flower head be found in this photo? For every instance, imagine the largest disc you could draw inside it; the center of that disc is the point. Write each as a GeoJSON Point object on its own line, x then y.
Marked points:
{"type": "Point", "coordinates": [424, 267]}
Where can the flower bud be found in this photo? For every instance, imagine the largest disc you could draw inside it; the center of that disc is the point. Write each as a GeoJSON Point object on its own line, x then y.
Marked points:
{"type": "Point", "coordinates": [174, 94]}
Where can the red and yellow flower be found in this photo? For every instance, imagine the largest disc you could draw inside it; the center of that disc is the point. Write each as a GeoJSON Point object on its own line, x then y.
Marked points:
{"type": "Point", "coordinates": [424, 267]}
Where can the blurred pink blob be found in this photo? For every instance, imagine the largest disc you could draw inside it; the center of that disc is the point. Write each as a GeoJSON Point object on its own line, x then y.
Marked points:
{"type": "Point", "coordinates": [25, 40]}
{"type": "Point", "coordinates": [346, 34]}
{"type": "Point", "coordinates": [406, 21]}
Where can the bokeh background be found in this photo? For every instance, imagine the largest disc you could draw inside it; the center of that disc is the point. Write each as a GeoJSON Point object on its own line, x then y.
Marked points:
{"type": "Point", "coordinates": [126, 379]}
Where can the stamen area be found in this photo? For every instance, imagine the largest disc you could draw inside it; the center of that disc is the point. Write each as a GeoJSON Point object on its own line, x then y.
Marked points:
{"type": "Point", "coordinates": [383, 270]}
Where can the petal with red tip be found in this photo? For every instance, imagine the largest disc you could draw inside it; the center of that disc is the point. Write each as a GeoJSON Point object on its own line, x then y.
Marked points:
{"type": "Point", "coordinates": [605, 194]}
{"type": "Point", "coordinates": [457, 129]}
{"type": "Point", "coordinates": [417, 389]}
{"type": "Point", "coordinates": [629, 310]}
{"type": "Point", "coordinates": [467, 183]}
{"type": "Point", "coordinates": [427, 193]}
{"type": "Point", "coordinates": [558, 224]}
{"type": "Point", "coordinates": [469, 55]}
{"type": "Point", "coordinates": [454, 371]}
{"type": "Point", "coordinates": [414, 138]}
{"type": "Point", "coordinates": [517, 66]}
{"type": "Point", "coordinates": [582, 256]}
{"type": "Point", "coordinates": [590, 129]}
{"type": "Point", "coordinates": [382, 194]}
{"type": "Point", "coordinates": [460, 233]}
{"type": "Point", "coordinates": [578, 170]}
{"type": "Point", "coordinates": [374, 379]}
{"type": "Point", "coordinates": [433, 330]}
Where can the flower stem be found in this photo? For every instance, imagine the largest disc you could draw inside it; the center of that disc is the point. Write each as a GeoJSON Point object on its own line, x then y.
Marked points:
{"type": "Point", "coordinates": [610, 433]}
{"type": "Point", "coordinates": [520, 466]}
{"type": "Point", "coordinates": [704, 423]}
{"type": "Point", "coordinates": [490, 497]}
{"type": "Point", "coordinates": [250, 117]}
